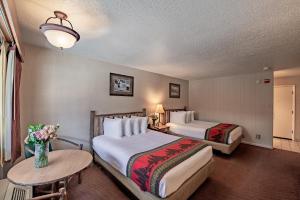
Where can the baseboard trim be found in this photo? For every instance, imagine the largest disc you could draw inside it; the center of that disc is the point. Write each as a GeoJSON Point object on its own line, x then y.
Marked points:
{"type": "Point", "coordinates": [258, 145]}
{"type": "Point", "coordinates": [283, 138]}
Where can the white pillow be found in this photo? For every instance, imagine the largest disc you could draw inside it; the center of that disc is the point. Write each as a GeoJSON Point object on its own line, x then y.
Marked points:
{"type": "Point", "coordinates": [193, 116]}
{"type": "Point", "coordinates": [135, 125]}
{"type": "Point", "coordinates": [126, 126]}
{"type": "Point", "coordinates": [178, 117]}
{"type": "Point", "coordinates": [190, 116]}
{"type": "Point", "coordinates": [143, 124]}
{"type": "Point", "coordinates": [113, 127]}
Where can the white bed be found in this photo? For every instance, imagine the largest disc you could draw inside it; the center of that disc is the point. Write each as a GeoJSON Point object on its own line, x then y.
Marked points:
{"type": "Point", "coordinates": [197, 129]}
{"type": "Point", "coordinates": [117, 152]}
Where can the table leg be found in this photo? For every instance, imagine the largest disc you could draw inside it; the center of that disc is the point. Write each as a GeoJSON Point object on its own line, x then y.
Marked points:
{"type": "Point", "coordinates": [79, 178]}
{"type": "Point", "coordinates": [66, 185]}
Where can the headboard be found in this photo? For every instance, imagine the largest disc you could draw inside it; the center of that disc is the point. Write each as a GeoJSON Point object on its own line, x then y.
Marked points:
{"type": "Point", "coordinates": [96, 122]}
{"type": "Point", "coordinates": [168, 110]}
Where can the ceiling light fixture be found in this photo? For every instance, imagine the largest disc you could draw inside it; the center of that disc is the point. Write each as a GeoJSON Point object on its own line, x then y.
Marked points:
{"type": "Point", "coordinates": [58, 34]}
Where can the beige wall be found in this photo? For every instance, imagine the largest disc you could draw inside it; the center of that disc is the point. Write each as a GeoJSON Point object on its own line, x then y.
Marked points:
{"type": "Point", "coordinates": [239, 100]}
{"type": "Point", "coordinates": [293, 81]}
{"type": "Point", "coordinates": [61, 88]}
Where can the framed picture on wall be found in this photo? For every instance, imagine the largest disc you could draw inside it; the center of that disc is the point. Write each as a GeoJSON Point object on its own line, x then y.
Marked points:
{"type": "Point", "coordinates": [121, 85]}
{"type": "Point", "coordinates": [174, 90]}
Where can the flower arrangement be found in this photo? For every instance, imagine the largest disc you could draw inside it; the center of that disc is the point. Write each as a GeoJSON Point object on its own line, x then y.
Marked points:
{"type": "Point", "coordinates": [38, 137]}
{"type": "Point", "coordinates": [40, 133]}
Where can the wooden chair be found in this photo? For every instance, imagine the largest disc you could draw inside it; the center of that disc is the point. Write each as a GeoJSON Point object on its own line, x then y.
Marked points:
{"type": "Point", "coordinates": [54, 145]}
{"type": "Point", "coordinates": [29, 150]}
{"type": "Point", "coordinates": [74, 144]}
{"type": "Point", "coordinates": [62, 195]}
{"type": "Point", "coordinates": [10, 191]}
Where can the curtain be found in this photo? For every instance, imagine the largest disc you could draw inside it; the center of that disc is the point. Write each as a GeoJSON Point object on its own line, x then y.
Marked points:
{"type": "Point", "coordinates": [16, 132]}
{"type": "Point", "coordinates": [3, 65]}
{"type": "Point", "coordinates": [8, 114]}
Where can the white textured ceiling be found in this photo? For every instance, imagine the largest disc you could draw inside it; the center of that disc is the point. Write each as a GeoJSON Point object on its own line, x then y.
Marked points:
{"type": "Point", "coordinates": [188, 39]}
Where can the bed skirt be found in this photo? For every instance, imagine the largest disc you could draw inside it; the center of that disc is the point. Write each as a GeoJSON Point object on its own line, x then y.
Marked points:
{"type": "Point", "coordinates": [183, 192]}
{"type": "Point", "coordinates": [224, 148]}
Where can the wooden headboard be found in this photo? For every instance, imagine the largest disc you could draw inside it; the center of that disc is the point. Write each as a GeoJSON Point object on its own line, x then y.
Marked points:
{"type": "Point", "coordinates": [96, 122]}
{"type": "Point", "coordinates": [168, 110]}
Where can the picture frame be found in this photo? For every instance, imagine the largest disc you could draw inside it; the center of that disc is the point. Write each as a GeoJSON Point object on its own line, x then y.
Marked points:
{"type": "Point", "coordinates": [174, 90]}
{"type": "Point", "coordinates": [121, 85]}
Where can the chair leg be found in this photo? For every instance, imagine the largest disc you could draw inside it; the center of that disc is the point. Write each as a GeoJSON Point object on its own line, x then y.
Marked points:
{"type": "Point", "coordinates": [54, 188]}
{"type": "Point", "coordinates": [63, 193]}
{"type": "Point", "coordinates": [79, 178]}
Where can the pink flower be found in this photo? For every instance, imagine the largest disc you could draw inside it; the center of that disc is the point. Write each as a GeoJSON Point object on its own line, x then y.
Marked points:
{"type": "Point", "coordinates": [45, 134]}
{"type": "Point", "coordinates": [49, 129]}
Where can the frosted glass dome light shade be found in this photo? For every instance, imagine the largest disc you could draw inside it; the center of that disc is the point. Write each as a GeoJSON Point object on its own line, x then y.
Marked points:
{"type": "Point", "coordinates": [60, 38]}
{"type": "Point", "coordinates": [59, 35]}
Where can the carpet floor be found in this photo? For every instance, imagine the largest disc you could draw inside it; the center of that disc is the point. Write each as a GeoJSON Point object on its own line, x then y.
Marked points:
{"type": "Point", "coordinates": [249, 173]}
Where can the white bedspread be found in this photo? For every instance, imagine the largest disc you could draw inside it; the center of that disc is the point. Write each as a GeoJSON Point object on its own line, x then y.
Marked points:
{"type": "Point", "coordinates": [198, 128]}
{"type": "Point", "coordinates": [117, 152]}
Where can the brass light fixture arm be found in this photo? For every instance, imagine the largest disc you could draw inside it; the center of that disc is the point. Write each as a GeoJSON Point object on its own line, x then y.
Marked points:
{"type": "Point", "coordinates": [64, 18]}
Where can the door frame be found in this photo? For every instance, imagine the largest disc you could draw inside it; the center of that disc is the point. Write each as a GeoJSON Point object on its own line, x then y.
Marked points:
{"type": "Point", "coordinates": [294, 107]}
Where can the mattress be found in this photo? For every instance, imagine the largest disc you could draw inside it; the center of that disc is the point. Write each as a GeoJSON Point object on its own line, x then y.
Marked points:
{"type": "Point", "coordinates": [198, 128]}
{"type": "Point", "coordinates": [117, 152]}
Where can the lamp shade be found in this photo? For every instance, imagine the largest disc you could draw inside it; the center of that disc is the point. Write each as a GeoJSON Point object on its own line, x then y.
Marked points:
{"type": "Point", "coordinates": [159, 108]}
{"type": "Point", "coordinates": [60, 38]}
{"type": "Point", "coordinates": [58, 34]}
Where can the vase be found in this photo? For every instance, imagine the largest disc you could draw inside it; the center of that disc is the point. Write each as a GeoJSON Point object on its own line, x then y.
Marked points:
{"type": "Point", "coordinates": [41, 155]}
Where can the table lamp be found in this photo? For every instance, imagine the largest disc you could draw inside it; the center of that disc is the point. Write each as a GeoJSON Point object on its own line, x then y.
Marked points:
{"type": "Point", "coordinates": [160, 110]}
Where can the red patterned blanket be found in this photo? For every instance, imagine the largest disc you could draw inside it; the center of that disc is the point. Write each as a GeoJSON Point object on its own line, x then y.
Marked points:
{"type": "Point", "coordinates": [146, 169]}
{"type": "Point", "coordinates": [219, 133]}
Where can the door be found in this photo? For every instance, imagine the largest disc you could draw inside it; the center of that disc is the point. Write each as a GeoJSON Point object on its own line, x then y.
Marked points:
{"type": "Point", "coordinates": [284, 106]}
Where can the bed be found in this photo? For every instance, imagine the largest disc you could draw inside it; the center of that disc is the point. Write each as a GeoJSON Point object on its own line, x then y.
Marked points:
{"type": "Point", "coordinates": [197, 129]}
{"type": "Point", "coordinates": [114, 155]}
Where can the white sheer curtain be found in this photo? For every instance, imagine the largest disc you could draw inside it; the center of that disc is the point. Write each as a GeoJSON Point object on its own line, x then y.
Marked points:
{"type": "Point", "coordinates": [11, 63]}
{"type": "Point", "coordinates": [3, 65]}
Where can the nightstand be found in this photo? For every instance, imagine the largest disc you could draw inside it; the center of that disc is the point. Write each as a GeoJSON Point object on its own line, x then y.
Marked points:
{"type": "Point", "coordinates": [161, 128]}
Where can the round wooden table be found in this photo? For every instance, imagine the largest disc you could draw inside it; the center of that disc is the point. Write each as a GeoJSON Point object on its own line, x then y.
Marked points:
{"type": "Point", "coordinates": [62, 164]}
